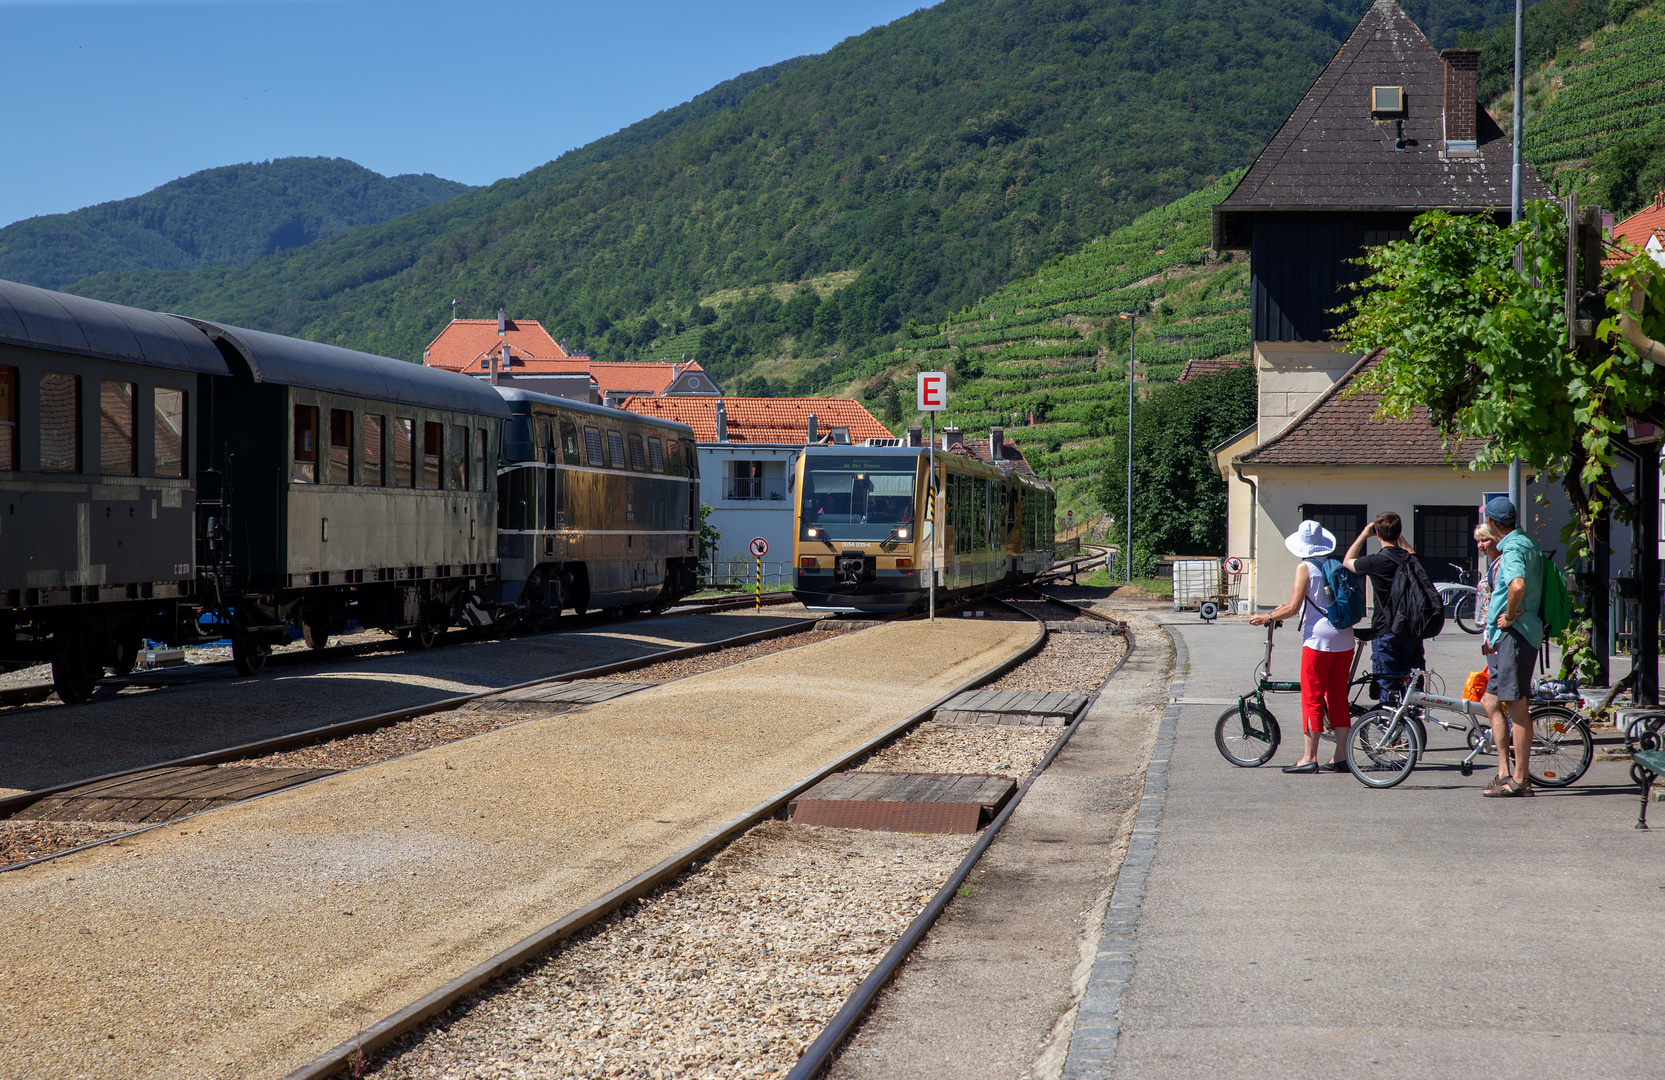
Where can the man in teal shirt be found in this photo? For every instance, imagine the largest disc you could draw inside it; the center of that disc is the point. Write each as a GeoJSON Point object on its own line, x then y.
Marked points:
{"type": "Point", "coordinates": [1514, 630]}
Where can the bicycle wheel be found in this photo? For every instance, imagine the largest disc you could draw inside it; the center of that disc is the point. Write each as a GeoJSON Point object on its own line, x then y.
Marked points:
{"type": "Point", "coordinates": [1561, 747]}
{"type": "Point", "coordinates": [1247, 736]}
{"type": "Point", "coordinates": [1382, 749]}
{"type": "Point", "coordinates": [1466, 615]}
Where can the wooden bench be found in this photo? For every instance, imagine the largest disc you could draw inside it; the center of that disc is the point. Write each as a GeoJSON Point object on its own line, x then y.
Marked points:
{"type": "Point", "coordinates": [1646, 766]}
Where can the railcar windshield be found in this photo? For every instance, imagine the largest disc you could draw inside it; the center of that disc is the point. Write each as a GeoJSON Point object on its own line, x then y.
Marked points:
{"type": "Point", "coordinates": [858, 497]}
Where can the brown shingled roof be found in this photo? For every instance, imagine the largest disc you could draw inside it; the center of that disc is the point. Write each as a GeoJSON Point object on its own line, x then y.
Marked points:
{"type": "Point", "coordinates": [1343, 429]}
{"type": "Point", "coordinates": [1211, 366]}
{"type": "Point", "coordinates": [1333, 153]}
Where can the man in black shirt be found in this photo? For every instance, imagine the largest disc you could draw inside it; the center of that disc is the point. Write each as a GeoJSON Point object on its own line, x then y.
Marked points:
{"type": "Point", "coordinates": [1392, 656]}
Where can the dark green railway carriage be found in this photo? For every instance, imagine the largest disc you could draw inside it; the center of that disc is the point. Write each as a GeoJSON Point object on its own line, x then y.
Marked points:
{"type": "Point", "coordinates": [97, 459]}
{"type": "Point", "coordinates": [341, 485]}
{"type": "Point", "coordinates": [598, 507]}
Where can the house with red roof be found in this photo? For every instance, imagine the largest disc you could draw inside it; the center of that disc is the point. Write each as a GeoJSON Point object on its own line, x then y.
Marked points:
{"type": "Point", "coordinates": [521, 352]}
{"type": "Point", "coordinates": [1644, 230]}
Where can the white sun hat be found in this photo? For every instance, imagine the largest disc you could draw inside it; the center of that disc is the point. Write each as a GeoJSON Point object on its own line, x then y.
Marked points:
{"type": "Point", "coordinates": [1310, 540]}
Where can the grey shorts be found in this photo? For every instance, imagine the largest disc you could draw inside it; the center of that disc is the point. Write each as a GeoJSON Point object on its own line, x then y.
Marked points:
{"type": "Point", "coordinates": [1511, 667]}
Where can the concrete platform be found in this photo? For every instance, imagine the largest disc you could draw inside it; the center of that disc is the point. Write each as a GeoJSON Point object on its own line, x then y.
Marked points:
{"type": "Point", "coordinates": [243, 942]}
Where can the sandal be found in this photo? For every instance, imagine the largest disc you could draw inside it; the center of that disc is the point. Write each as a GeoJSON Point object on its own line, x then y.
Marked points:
{"type": "Point", "coordinates": [1517, 790]}
{"type": "Point", "coordinates": [1495, 787]}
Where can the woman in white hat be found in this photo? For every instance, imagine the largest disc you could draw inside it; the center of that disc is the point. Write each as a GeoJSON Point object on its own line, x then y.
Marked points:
{"type": "Point", "coordinates": [1326, 652]}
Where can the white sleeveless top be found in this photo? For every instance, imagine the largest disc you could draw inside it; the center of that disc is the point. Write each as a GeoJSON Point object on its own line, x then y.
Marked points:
{"type": "Point", "coordinates": [1317, 632]}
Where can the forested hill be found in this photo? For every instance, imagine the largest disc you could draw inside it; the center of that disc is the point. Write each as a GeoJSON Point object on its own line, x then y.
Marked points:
{"type": "Point", "coordinates": [932, 160]}
{"type": "Point", "coordinates": [216, 217]}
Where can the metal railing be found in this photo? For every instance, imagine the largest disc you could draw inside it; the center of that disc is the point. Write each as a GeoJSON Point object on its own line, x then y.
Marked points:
{"type": "Point", "coordinates": [742, 572]}
{"type": "Point", "coordinates": [755, 488]}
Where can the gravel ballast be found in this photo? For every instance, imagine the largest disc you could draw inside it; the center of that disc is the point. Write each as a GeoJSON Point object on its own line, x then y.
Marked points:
{"type": "Point", "coordinates": [283, 925]}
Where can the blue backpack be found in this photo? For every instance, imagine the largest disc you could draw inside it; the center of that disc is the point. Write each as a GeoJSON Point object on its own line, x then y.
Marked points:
{"type": "Point", "coordinates": [1344, 600]}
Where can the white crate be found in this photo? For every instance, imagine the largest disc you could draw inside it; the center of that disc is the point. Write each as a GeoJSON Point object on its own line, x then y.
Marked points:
{"type": "Point", "coordinates": [1195, 580]}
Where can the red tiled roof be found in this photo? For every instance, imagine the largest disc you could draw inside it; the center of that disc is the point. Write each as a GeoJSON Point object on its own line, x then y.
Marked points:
{"type": "Point", "coordinates": [1009, 454]}
{"type": "Point", "coordinates": [1639, 228]}
{"type": "Point", "coordinates": [1194, 368]}
{"type": "Point", "coordinates": [618, 377]}
{"type": "Point", "coordinates": [1343, 429]}
{"type": "Point", "coordinates": [467, 344]}
{"type": "Point", "coordinates": [764, 420]}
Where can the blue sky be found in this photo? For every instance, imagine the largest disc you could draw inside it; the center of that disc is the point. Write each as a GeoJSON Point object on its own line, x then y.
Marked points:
{"type": "Point", "coordinates": [107, 100]}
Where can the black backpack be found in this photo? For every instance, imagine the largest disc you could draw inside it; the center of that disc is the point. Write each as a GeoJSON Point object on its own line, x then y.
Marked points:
{"type": "Point", "coordinates": [1414, 605]}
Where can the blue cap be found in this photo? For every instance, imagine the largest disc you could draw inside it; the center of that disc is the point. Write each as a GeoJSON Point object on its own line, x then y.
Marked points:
{"type": "Point", "coordinates": [1500, 509]}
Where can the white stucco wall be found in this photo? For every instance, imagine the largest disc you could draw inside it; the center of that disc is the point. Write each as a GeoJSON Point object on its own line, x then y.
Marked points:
{"type": "Point", "coordinates": [738, 520]}
{"type": "Point", "coordinates": [1291, 375]}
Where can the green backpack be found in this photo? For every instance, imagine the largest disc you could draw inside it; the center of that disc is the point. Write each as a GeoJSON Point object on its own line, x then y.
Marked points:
{"type": "Point", "coordinates": [1557, 604]}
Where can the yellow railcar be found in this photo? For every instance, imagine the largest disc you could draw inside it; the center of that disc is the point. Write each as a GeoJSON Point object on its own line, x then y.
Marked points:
{"type": "Point", "coordinates": [865, 540]}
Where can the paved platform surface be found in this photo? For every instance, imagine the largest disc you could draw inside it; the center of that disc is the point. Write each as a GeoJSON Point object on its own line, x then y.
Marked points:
{"type": "Point", "coordinates": [243, 942]}
{"type": "Point", "coordinates": [42, 745]}
{"type": "Point", "coordinates": [1306, 926]}
{"type": "Point", "coordinates": [989, 993]}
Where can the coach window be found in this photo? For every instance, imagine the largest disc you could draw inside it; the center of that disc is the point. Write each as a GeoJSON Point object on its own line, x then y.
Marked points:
{"type": "Point", "coordinates": [482, 443]}
{"type": "Point", "coordinates": [305, 469]}
{"type": "Point", "coordinates": [459, 456]}
{"type": "Point", "coordinates": [118, 448]}
{"type": "Point", "coordinates": [168, 433]}
{"type": "Point", "coordinates": [673, 457]}
{"type": "Point", "coordinates": [341, 446]}
{"type": "Point", "coordinates": [592, 448]}
{"type": "Point", "coordinates": [374, 471]}
{"type": "Point", "coordinates": [404, 436]}
{"type": "Point", "coordinates": [569, 442]}
{"type": "Point", "coordinates": [8, 419]}
{"type": "Point", "coordinates": [615, 449]}
{"type": "Point", "coordinates": [656, 454]}
{"type": "Point", "coordinates": [638, 459]}
{"type": "Point", "coordinates": [60, 422]}
{"type": "Point", "coordinates": [433, 448]}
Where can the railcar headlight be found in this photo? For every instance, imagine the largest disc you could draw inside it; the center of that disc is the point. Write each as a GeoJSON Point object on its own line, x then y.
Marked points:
{"type": "Point", "coordinates": [902, 534]}
{"type": "Point", "coordinates": [812, 533]}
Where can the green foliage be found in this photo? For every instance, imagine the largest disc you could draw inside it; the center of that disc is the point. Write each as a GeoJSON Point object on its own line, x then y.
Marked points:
{"type": "Point", "coordinates": [1179, 501]}
{"type": "Point", "coordinates": [709, 537]}
{"type": "Point", "coordinates": [217, 217]}
{"type": "Point", "coordinates": [1547, 30]}
{"type": "Point", "coordinates": [941, 156]}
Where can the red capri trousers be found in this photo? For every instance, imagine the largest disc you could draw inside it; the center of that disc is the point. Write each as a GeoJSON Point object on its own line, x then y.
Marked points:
{"type": "Point", "coordinates": [1324, 686]}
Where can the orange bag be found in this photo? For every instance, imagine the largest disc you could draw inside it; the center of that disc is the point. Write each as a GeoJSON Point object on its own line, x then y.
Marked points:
{"type": "Point", "coordinates": [1474, 687]}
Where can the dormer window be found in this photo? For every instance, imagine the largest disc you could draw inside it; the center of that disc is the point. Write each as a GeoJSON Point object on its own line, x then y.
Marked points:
{"type": "Point", "coordinates": [1387, 100]}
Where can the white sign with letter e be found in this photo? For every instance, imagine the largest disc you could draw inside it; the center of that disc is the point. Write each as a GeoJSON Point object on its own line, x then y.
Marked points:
{"type": "Point", "coordinates": [759, 546]}
{"type": "Point", "coordinates": [933, 391]}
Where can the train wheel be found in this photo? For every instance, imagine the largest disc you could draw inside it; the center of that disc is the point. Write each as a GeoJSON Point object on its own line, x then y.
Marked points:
{"type": "Point", "coordinates": [125, 655]}
{"type": "Point", "coordinates": [315, 630]}
{"type": "Point", "coordinates": [248, 656]}
{"type": "Point", "coordinates": [74, 671]}
{"type": "Point", "coordinates": [420, 639]}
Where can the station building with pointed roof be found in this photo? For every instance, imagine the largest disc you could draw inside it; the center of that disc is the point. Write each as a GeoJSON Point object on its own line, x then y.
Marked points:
{"type": "Point", "coordinates": [1390, 129]}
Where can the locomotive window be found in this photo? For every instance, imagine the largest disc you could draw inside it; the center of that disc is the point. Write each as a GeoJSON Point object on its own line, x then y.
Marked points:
{"type": "Point", "coordinates": [482, 444]}
{"type": "Point", "coordinates": [615, 450]}
{"type": "Point", "coordinates": [118, 448]}
{"type": "Point", "coordinates": [60, 422]}
{"type": "Point", "coordinates": [341, 446]}
{"type": "Point", "coordinates": [592, 447]}
{"type": "Point", "coordinates": [169, 435]}
{"type": "Point", "coordinates": [459, 456]}
{"type": "Point", "coordinates": [656, 454]}
{"type": "Point", "coordinates": [305, 469]}
{"type": "Point", "coordinates": [638, 459]}
{"type": "Point", "coordinates": [690, 459]}
{"type": "Point", "coordinates": [8, 419]}
{"type": "Point", "coordinates": [404, 439]}
{"type": "Point", "coordinates": [569, 442]}
{"type": "Point", "coordinates": [433, 448]}
{"type": "Point", "coordinates": [673, 450]}
{"type": "Point", "coordinates": [375, 469]}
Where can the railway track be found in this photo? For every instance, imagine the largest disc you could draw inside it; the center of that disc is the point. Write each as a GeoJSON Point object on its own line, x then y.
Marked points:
{"type": "Point", "coordinates": [352, 1053]}
{"type": "Point", "coordinates": [31, 693]}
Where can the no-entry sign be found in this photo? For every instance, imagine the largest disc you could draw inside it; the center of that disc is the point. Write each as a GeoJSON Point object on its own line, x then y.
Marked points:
{"type": "Point", "coordinates": [933, 391]}
{"type": "Point", "coordinates": [759, 546]}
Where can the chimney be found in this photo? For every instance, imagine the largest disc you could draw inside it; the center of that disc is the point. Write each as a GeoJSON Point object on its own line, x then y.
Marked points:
{"type": "Point", "coordinates": [997, 445]}
{"type": "Point", "coordinates": [1659, 200]}
{"type": "Point", "coordinates": [722, 421]}
{"type": "Point", "coordinates": [916, 435]}
{"type": "Point", "coordinates": [506, 362]}
{"type": "Point", "coordinates": [502, 322]}
{"type": "Point", "coordinates": [809, 433]}
{"type": "Point", "coordinates": [425, 357]}
{"type": "Point", "coordinates": [493, 361]}
{"type": "Point", "coordinates": [951, 437]}
{"type": "Point", "coordinates": [1462, 106]}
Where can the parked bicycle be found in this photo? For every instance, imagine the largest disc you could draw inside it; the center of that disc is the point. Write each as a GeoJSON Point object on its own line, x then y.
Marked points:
{"type": "Point", "coordinates": [1461, 600]}
{"type": "Point", "coordinates": [1248, 734]}
{"type": "Point", "coordinates": [1386, 742]}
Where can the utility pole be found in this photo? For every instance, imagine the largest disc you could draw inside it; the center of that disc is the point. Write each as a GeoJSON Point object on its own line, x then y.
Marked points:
{"type": "Point", "coordinates": [1516, 488]}
{"type": "Point", "coordinates": [1132, 318]}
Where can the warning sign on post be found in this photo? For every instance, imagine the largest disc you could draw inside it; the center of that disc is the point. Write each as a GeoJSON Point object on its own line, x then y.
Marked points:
{"type": "Point", "coordinates": [759, 546]}
{"type": "Point", "coordinates": [933, 391]}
